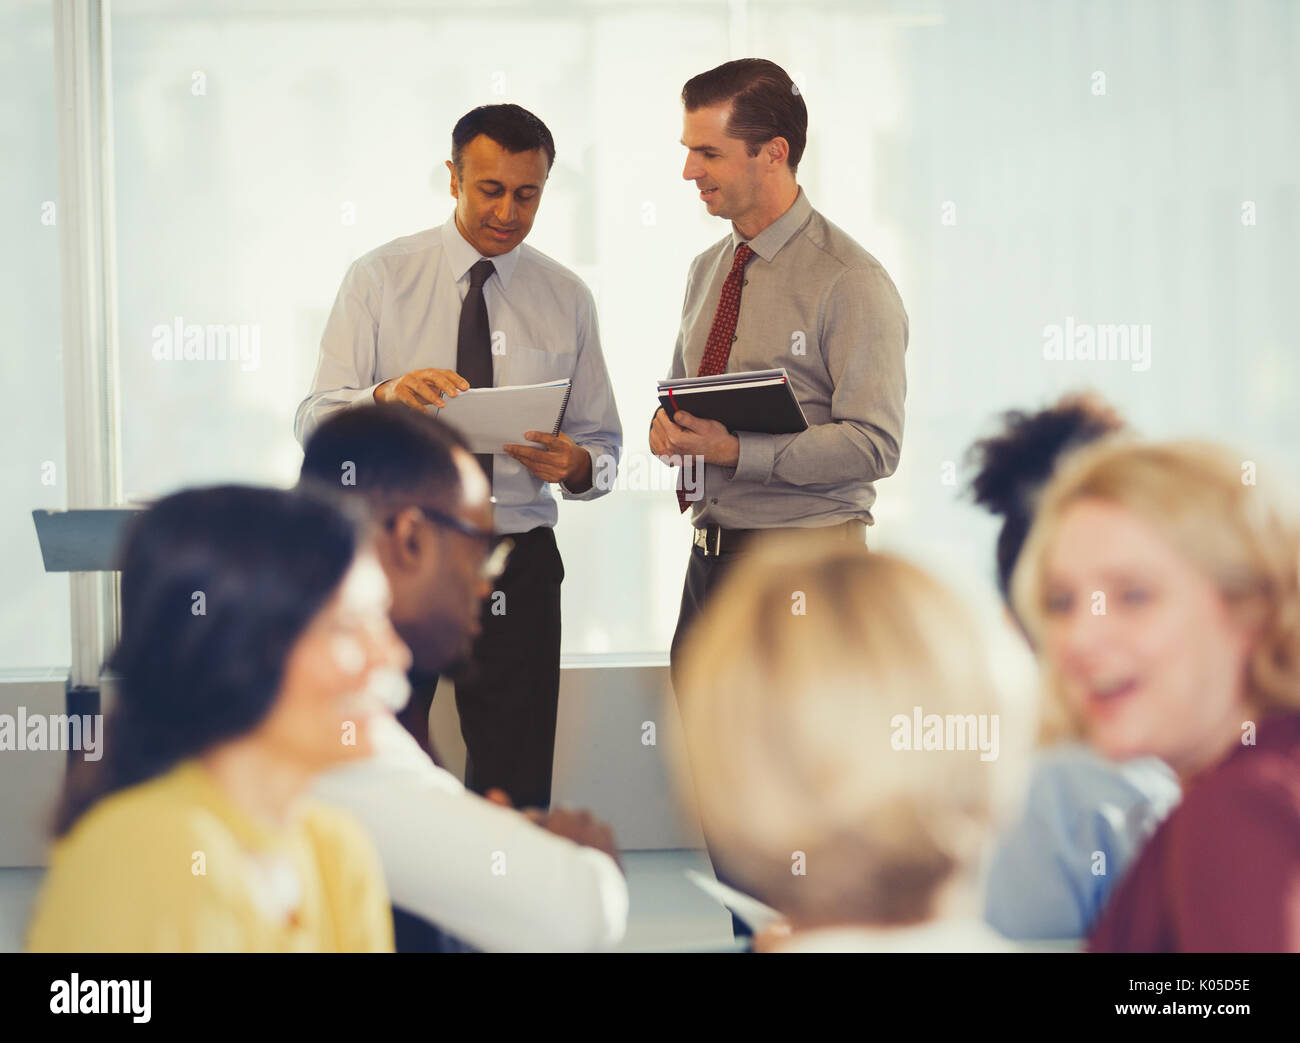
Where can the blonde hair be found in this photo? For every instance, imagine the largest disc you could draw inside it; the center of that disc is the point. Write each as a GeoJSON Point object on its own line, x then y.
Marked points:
{"type": "Point", "coordinates": [788, 721]}
{"type": "Point", "coordinates": [1198, 498]}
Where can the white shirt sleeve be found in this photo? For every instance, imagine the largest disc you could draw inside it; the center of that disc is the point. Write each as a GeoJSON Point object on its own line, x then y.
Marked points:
{"type": "Point", "coordinates": [477, 870]}
{"type": "Point", "coordinates": [345, 372]}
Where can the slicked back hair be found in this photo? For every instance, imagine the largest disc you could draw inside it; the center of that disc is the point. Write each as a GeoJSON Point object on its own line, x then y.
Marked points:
{"type": "Point", "coordinates": [765, 103]}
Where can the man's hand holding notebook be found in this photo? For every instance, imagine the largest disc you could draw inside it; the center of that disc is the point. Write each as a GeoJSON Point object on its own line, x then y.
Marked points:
{"type": "Point", "coordinates": [759, 400]}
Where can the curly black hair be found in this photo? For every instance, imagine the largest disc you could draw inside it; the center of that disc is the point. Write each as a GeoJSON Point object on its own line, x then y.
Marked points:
{"type": "Point", "coordinates": [1013, 466]}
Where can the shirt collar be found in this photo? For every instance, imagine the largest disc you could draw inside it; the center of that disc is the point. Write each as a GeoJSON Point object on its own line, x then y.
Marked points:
{"type": "Point", "coordinates": [767, 244]}
{"type": "Point", "coordinates": [462, 256]}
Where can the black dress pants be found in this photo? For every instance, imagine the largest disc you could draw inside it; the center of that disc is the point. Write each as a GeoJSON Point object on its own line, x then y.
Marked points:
{"type": "Point", "coordinates": [508, 691]}
{"type": "Point", "coordinates": [703, 575]}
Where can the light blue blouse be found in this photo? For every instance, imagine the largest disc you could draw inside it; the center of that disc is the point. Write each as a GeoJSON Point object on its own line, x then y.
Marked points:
{"type": "Point", "coordinates": [1084, 822]}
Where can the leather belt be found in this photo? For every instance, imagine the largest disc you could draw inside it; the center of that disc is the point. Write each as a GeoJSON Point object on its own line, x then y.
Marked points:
{"type": "Point", "coordinates": [715, 541]}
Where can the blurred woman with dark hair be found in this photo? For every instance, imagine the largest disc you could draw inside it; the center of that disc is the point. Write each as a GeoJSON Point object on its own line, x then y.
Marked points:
{"type": "Point", "coordinates": [1085, 818]}
{"type": "Point", "coordinates": [255, 648]}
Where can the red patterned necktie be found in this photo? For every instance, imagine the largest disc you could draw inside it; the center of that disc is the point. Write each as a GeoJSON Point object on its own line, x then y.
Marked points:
{"type": "Point", "coordinates": [717, 350]}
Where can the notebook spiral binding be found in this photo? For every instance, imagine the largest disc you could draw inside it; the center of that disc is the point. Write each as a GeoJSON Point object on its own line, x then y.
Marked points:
{"type": "Point", "coordinates": [564, 404]}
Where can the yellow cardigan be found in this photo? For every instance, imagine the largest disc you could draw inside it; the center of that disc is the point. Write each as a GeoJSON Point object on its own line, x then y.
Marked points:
{"type": "Point", "coordinates": [173, 865]}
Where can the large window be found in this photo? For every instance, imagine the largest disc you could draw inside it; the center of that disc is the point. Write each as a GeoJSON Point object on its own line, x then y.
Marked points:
{"type": "Point", "coordinates": [34, 622]}
{"type": "Point", "coordinates": [260, 152]}
{"type": "Point", "coordinates": [1019, 169]}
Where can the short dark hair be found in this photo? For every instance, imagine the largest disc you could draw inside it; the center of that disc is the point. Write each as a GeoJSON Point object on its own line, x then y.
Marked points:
{"type": "Point", "coordinates": [1014, 465]}
{"type": "Point", "coordinates": [384, 454]}
{"type": "Point", "coordinates": [265, 561]}
{"type": "Point", "coordinates": [765, 103]}
{"type": "Point", "coordinates": [512, 127]}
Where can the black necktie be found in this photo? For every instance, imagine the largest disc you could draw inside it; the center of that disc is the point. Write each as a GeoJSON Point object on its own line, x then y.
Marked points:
{"type": "Point", "coordinates": [474, 341]}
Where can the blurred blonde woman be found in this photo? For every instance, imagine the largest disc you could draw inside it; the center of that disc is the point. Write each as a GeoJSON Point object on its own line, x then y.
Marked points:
{"type": "Point", "coordinates": [799, 693]}
{"type": "Point", "coordinates": [1160, 586]}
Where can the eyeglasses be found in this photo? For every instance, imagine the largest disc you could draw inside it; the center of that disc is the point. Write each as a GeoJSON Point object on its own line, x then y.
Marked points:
{"type": "Point", "coordinates": [498, 547]}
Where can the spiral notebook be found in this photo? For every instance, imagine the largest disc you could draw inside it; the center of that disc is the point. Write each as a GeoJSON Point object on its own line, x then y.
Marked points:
{"type": "Point", "coordinates": [488, 418]}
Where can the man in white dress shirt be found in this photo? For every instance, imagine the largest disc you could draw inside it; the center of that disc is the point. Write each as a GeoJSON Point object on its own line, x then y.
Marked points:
{"type": "Point", "coordinates": [469, 305]}
{"type": "Point", "coordinates": [485, 874]}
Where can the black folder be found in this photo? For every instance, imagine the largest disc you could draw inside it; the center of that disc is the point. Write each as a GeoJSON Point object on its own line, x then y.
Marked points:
{"type": "Point", "coordinates": [759, 400]}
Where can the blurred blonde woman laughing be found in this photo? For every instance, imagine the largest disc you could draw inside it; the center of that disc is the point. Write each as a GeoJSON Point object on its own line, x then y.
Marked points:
{"type": "Point", "coordinates": [1160, 585]}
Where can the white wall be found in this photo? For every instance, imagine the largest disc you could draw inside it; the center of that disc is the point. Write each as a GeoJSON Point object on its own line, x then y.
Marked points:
{"type": "Point", "coordinates": [601, 760]}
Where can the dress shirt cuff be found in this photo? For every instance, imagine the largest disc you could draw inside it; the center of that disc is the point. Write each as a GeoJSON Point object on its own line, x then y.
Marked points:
{"type": "Point", "coordinates": [366, 396]}
{"type": "Point", "coordinates": [596, 472]}
{"type": "Point", "coordinates": [757, 453]}
{"type": "Point", "coordinates": [319, 407]}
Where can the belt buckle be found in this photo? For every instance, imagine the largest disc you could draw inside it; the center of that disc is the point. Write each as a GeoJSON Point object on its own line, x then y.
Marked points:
{"type": "Point", "coordinates": [712, 548]}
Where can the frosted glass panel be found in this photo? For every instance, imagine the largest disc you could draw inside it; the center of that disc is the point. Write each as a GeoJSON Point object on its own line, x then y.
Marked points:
{"type": "Point", "coordinates": [34, 618]}
{"type": "Point", "coordinates": [1027, 172]}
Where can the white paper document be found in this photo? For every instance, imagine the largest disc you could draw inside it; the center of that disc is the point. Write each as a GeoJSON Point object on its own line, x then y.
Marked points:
{"type": "Point", "coordinates": [758, 915]}
{"type": "Point", "coordinates": [488, 418]}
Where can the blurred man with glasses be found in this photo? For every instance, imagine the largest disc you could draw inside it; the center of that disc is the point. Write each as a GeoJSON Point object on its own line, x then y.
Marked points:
{"type": "Point", "coordinates": [560, 887]}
